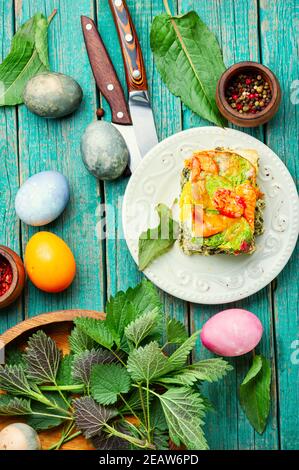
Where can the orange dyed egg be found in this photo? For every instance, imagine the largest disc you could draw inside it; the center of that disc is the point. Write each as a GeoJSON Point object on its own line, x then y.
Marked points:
{"type": "Point", "coordinates": [49, 262]}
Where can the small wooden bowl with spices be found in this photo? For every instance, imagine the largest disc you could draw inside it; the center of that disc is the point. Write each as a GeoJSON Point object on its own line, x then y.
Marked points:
{"type": "Point", "coordinates": [248, 94]}
{"type": "Point", "coordinates": [12, 276]}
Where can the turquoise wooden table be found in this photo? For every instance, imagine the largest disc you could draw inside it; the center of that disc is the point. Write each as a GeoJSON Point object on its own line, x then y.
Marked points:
{"type": "Point", "coordinates": [247, 30]}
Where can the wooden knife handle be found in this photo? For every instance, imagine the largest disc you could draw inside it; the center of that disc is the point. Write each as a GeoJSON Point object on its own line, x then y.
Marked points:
{"type": "Point", "coordinates": [104, 73]}
{"type": "Point", "coordinates": [130, 47]}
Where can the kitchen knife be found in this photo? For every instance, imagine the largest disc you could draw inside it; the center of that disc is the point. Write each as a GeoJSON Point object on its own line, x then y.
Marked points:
{"type": "Point", "coordinates": [110, 87]}
{"type": "Point", "coordinates": [139, 104]}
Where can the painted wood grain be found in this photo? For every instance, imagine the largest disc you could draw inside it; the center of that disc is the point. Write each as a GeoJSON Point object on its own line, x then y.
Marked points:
{"type": "Point", "coordinates": [55, 145]}
{"type": "Point", "coordinates": [235, 24]}
{"type": "Point", "coordinates": [9, 225]}
{"type": "Point", "coordinates": [121, 269]}
{"type": "Point", "coordinates": [279, 46]}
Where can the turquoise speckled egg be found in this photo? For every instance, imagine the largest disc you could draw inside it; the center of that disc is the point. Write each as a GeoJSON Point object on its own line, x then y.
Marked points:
{"type": "Point", "coordinates": [42, 198]}
{"type": "Point", "coordinates": [104, 150]}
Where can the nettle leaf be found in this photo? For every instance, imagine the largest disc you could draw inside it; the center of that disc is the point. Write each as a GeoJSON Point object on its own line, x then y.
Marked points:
{"type": "Point", "coordinates": [189, 60]}
{"type": "Point", "coordinates": [42, 357]}
{"type": "Point", "coordinates": [104, 441]}
{"type": "Point", "coordinates": [147, 363]}
{"type": "Point", "coordinates": [145, 297]}
{"type": "Point", "coordinates": [143, 326]}
{"type": "Point", "coordinates": [13, 406]}
{"type": "Point", "coordinates": [157, 241]}
{"type": "Point", "coordinates": [91, 417]}
{"type": "Point", "coordinates": [83, 363]}
{"type": "Point", "coordinates": [184, 412]}
{"type": "Point", "coordinates": [97, 330]}
{"type": "Point", "coordinates": [209, 370]}
{"type": "Point", "coordinates": [13, 380]}
{"type": "Point", "coordinates": [28, 57]}
{"type": "Point", "coordinates": [134, 401]}
{"type": "Point", "coordinates": [14, 357]}
{"type": "Point", "coordinates": [176, 332]}
{"type": "Point", "coordinates": [179, 358]}
{"type": "Point", "coordinates": [108, 381]}
{"type": "Point", "coordinates": [64, 374]}
{"type": "Point", "coordinates": [255, 393]}
{"type": "Point", "coordinates": [79, 341]}
{"type": "Point", "coordinates": [120, 311]}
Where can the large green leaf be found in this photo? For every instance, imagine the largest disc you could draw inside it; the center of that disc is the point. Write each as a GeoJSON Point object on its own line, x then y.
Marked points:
{"type": "Point", "coordinates": [84, 362]}
{"type": "Point", "coordinates": [157, 241]}
{"type": "Point", "coordinates": [184, 411]}
{"type": "Point", "coordinates": [79, 341]}
{"type": "Point", "coordinates": [91, 417]}
{"type": "Point", "coordinates": [120, 312]}
{"type": "Point", "coordinates": [42, 358]}
{"type": "Point", "coordinates": [13, 380]}
{"type": "Point", "coordinates": [176, 331]}
{"type": "Point", "coordinates": [189, 60]}
{"type": "Point", "coordinates": [45, 417]}
{"type": "Point", "coordinates": [255, 393]}
{"type": "Point", "coordinates": [147, 363]}
{"type": "Point", "coordinates": [179, 358]}
{"type": "Point", "coordinates": [145, 297]}
{"type": "Point", "coordinates": [28, 57]}
{"type": "Point", "coordinates": [97, 330]}
{"type": "Point", "coordinates": [13, 406]}
{"type": "Point", "coordinates": [108, 381]}
{"type": "Point", "coordinates": [143, 326]}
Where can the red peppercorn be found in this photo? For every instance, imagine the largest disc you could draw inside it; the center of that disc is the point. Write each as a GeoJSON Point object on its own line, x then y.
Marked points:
{"type": "Point", "coordinates": [248, 81]}
{"type": "Point", "coordinates": [251, 96]}
{"type": "Point", "coordinates": [235, 97]}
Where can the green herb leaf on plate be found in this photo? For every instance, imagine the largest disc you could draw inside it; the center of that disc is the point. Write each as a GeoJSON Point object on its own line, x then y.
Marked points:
{"type": "Point", "coordinates": [108, 382]}
{"type": "Point", "coordinates": [91, 417]}
{"type": "Point", "coordinates": [184, 412]}
{"type": "Point", "coordinates": [143, 326]}
{"type": "Point", "coordinates": [157, 241]}
{"type": "Point", "coordinates": [42, 357]}
{"type": "Point", "coordinates": [255, 393]}
{"type": "Point", "coordinates": [13, 406]}
{"type": "Point", "coordinates": [147, 363]}
{"type": "Point", "coordinates": [28, 57]}
{"type": "Point", "coordinates": [79, 341]}
{"type": "Point", "coordinates": [97, 330]}
{"type": "Point", "coordinates": [176, 332]}
{"type": "Point", "coordinates": [83, 363]}
{"type": "Point", "coordinates": [190, 62]}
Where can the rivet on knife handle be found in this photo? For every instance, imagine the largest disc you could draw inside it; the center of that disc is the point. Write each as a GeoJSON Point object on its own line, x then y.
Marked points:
{"type": "Point", "coordinates": [131, 51]}
{"type": "Point", "coordinates": [104, 73]}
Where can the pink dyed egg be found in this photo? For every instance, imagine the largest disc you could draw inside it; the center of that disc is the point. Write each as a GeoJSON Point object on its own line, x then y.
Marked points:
{"type": "Point", "coordinates": [232, 332]}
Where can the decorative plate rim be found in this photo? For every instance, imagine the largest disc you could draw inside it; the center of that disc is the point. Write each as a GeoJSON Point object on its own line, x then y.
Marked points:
{"type": "Point", "coordinates": [280, 262]}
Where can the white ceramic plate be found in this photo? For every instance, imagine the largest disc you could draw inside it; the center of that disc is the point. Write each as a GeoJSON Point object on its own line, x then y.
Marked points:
{"type": "Point", "coordinates": [219, 278]}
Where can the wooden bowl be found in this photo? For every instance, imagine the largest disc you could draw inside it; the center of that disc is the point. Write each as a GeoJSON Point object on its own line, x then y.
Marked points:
{"type": "Point", "coordinates": [248, 120]}
{"type": "Point", "coordinates": [58, 325]}
{"type": "Point", "coordinates": [18, 276]}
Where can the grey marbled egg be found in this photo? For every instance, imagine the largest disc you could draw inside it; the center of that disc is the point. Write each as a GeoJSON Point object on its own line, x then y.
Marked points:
{"type": "Point", "coordinates": [42, 198]}
{"type": "Point", "coordinates": [104, 150]}
{"type": "Point", "coordinates": [52, 95]}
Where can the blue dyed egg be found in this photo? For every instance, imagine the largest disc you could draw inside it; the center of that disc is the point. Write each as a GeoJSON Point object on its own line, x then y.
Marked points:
{"type": "Point", "coordinates": [42, 198]}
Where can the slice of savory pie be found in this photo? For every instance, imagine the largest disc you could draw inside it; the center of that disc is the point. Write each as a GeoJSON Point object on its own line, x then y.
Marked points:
{"type": "Point", "coordinates": [220, 204]}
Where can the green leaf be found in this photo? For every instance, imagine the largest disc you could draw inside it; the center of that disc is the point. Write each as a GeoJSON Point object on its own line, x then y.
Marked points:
{"type": "Point", "coordinates": [157, 241]}
{"type": "Point", "coordinates": [176, 331]}
{"type": "Point", "coordinates": [91, 417]}
{"type": "Point", "coordinates": [108, 381]}
{"type": "Point", "coordinates": [184, 412]}
{"type": "Point", "coordinates": [190, 62]}
{"type": "Point", "coordinates": [42, 358]}
{"type": "Point", "coordinates": [80, 341]}
{"type": "Point", "coordinates": [255, 393]}
{"type": "Point", "coordinates": [44, 417]}
{"type": "Point", "coordinates": [84, 362]}
{"type": "Point", "coordinates": [147, 363]}
{"type": "Point", "coordinates": [134, 401]}
{"type": "Point", "coordinates": [179, 357]}
{"type": "Point", "coordinates": [157, 416]}
{"type": "Point", "coordinates": [64, 374]}
{"type": "Point", "coordinates": [143, 326]}
{"type": "Point", "coordinates": [97, 330]}
{"type": "Point", "coordinates": [144, 297]}
{"type": "Point", "coordinates": [28, 57]}
{"type": "Point", "coordinates": [209, 370]}
{"type": "Point", "coordinates": [13, 406]}
{"type": "Point", "coordinates": [14, 357]}
{"type": "Point", "coordinates": [119, 313]}
{"type": "Point", "coordinates": [13, 380]}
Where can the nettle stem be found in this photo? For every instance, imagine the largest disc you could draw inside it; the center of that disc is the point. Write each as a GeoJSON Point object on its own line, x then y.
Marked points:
{"type": "Point", "coordinates": [143, 444]}
{"type": "Point", "coordinates": [50, 18]}
{"type": "Point", "coordinates": [63, 388]}
{"type": "Point", "coordinates": [167, 7]}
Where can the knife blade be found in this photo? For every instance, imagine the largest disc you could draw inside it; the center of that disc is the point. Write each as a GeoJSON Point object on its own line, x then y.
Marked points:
{"type": "Point", "coordinates": [110, 87]}
{"type": "Point", "coordinates": [139, 103]}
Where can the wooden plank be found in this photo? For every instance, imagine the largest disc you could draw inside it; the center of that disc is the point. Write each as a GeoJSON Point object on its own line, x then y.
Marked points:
{"type": "Point", "coordinates": [121, 269]}
{"type": "Point", "coordinates": [235, 24]}
{"type": "Point", "coordinates": [55, 145]}
{"type": "Point", "coordinates": [279, 40]}
{"type": "Point", "coordinates": [9, 225]}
